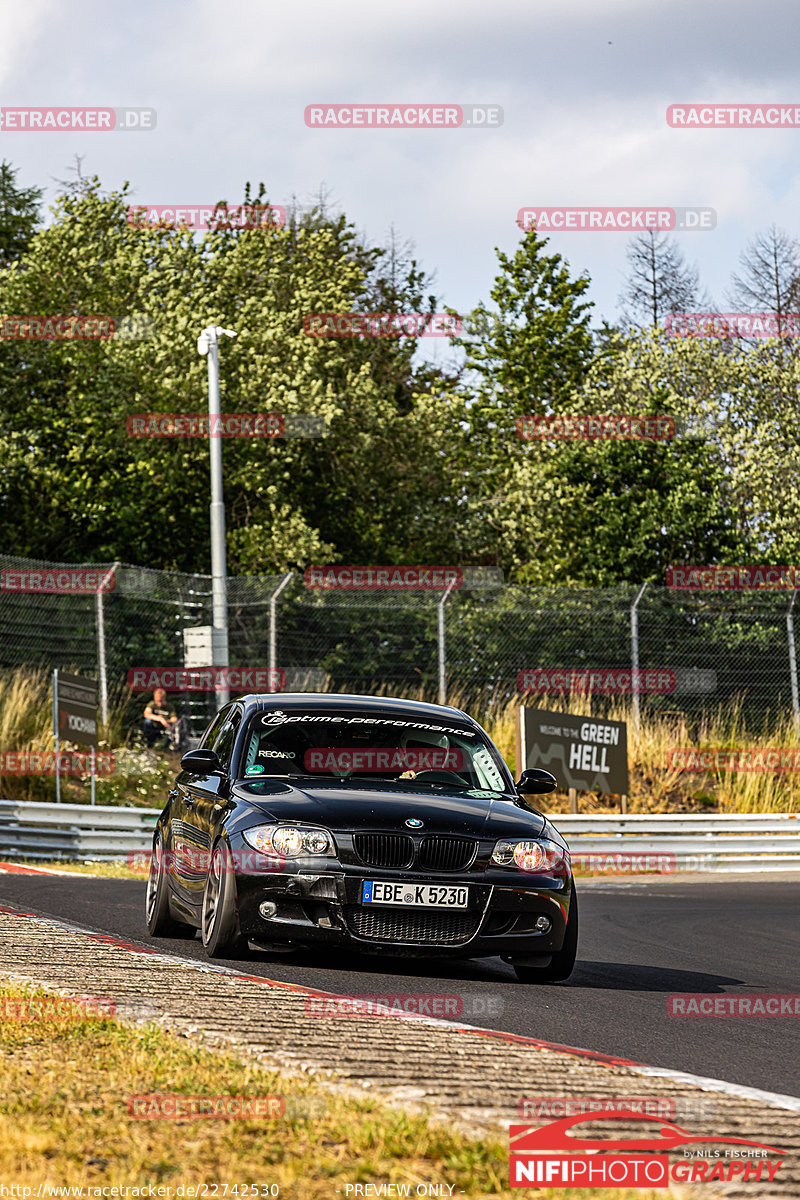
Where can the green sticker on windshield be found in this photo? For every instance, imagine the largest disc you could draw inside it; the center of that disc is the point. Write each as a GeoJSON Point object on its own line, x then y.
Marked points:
{"type": "Point", "coordinates": [254, 771]}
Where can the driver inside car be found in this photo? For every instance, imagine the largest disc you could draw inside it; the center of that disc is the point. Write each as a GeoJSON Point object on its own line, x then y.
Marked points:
{"type": "Point", "coordinates": [417, 740]}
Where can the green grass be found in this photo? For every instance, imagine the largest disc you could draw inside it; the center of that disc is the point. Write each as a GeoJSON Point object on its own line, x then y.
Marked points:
{"type": "Point", "coordinates": [64, 1119]}
{"type": "Point", "coordinates": [107, 870]}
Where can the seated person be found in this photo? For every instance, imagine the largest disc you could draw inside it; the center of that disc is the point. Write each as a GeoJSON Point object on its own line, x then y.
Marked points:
{"type": "Point", "coordinates": [160, 721]}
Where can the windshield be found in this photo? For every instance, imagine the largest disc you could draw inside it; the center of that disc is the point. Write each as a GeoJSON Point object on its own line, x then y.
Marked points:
{"type": "Point", "coordinates": [377, 746]}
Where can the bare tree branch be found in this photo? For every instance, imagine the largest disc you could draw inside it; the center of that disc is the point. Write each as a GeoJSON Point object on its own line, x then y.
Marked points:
{"type": "Point", "coordinates": [770, 281]}
{"type": "Point", "coordinates": [659, 280]}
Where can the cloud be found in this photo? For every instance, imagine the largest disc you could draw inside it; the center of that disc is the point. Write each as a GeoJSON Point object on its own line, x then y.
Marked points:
{"type": "Point", "coordinates": [584, 87]}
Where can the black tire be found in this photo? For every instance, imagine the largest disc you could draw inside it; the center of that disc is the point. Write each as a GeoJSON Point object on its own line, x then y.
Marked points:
{"type": "Point", "coordinates": [220, 927]}
{"type": "Point", "coordinates": [562, 962]}
{"type": "Point", "coordinates": [160, 922]}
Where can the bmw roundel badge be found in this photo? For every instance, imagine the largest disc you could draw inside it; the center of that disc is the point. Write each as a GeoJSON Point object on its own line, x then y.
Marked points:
{"type": "Point", "coordinates": [414, 823]}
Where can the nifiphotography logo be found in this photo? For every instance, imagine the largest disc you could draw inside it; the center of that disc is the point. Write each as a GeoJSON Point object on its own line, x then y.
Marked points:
{"type": "Point", "coordinates": [553, 1156]}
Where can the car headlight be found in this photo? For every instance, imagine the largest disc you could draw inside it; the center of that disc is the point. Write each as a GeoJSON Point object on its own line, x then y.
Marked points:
{"type": "Point", "coordinates": [529, 855]}
{"type": "Point", "coordinates": [290, 841]}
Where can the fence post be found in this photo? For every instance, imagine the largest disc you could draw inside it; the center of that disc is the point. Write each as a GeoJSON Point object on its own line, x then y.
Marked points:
{"type": "Point", "coordinates": [102, 670]}
{"type": "Point", "coordinates": [635, 654]}
{"type": "Point", "coordinates": [793, 663]}
{"type": "Point", "coordinates": [442, 646]}
{"type": "Point", "coordinates": [273, 628]}
{"type": "Point", "coordinates": [56, 735]}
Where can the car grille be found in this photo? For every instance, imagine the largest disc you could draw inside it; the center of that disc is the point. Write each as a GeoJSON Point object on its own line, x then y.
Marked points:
{"type": "Point", "coordinates": [384, 849]}
{"type": "Point", "coordinates": [422, 928]}
{"type": "Point", "coordinates": [445, 853]}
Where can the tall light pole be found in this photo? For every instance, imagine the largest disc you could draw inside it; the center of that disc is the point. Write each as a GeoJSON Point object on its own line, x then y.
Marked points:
{"type": "Point", "coordinates": [208, 344]}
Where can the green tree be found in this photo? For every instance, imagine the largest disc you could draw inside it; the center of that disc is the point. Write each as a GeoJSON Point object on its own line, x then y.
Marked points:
{"type": "Point", "coordinates": [19, 214]}
{"type": "Point", "coordinates": [537, 346]}
{"type": "Point", "coordinates": [590, 513]}
{"type": "Point", "coordinates": [75, 485]}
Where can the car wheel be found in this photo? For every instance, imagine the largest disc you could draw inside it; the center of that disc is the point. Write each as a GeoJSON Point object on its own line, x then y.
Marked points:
{"type": "Point", "coordinates": [160, 922]}
{"type": "Point", "coordinates": [563, 961]}
{"type": "Point", "coordinates": [220, 928]}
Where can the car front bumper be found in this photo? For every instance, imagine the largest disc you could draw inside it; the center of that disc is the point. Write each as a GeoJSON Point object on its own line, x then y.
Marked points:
{"type": "Point", "coordinates": [324, 908]}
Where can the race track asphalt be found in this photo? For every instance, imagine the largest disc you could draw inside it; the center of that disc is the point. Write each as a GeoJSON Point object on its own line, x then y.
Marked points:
{"type": "Point", "coordinates": [639, 942]}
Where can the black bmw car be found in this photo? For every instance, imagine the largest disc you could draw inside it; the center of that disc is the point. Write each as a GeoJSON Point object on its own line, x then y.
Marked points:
{"type": "Point", "coordinates": [379, 825]}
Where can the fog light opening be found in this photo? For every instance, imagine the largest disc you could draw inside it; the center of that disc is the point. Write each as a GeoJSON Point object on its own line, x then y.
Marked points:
{"type": "Point", "coordinates": [268, 908]}
{"type": "Point", "coordinates": [543, 925]}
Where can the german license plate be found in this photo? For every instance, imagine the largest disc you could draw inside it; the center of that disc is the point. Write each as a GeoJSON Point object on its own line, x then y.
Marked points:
{"type": "Point", "coordinates": [414, 895]}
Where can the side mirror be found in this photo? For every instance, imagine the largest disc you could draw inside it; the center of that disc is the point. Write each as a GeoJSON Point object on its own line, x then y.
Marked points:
{"type": "Point", "coordinates": [536, 782]}
{"type": "Point", "coordinates": [201, 762]}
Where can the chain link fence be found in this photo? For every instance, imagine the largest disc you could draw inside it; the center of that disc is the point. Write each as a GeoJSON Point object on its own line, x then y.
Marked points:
{"type": "Point", "coordinates": [693, 650]}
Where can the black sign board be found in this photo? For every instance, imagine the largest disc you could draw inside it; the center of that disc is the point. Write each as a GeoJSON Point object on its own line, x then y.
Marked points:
{"type": "Point", "coordinates": [76, 709]}
{"type": "Point", "coordinates": [585, 753]}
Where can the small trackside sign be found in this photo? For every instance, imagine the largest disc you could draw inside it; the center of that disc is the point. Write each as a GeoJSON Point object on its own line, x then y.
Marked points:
{"type": "Point", "coordinates": [76, 709]}
{"type": "Point", "coordinates": [590, 755]}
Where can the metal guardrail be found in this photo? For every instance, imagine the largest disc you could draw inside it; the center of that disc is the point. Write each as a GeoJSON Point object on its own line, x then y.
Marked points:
{"type": "Point", "coordinates": [33, 829]}
{"type": "Point", "coordinates": [707, 842]}
{"type": "Point", "coordinates": [36, 829]}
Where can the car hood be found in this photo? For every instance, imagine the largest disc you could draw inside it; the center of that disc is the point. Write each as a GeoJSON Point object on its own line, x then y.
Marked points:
{"type": "Point", "coordinates": [360, 805]}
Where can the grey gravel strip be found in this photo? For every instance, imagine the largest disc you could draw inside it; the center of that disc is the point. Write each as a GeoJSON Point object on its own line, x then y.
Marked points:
{"type": "Point", "coordinates": [472, 1081]}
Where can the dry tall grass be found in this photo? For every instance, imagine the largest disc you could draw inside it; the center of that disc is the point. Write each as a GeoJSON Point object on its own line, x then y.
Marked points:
{"type": "Point", "coordinates": [25, 724]}
{"type": "Point", "coordinates": [655, 787]}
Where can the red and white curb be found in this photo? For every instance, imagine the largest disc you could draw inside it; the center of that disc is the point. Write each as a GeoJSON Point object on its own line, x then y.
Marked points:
{"type": "Point", "coordinates": [737, 1091]}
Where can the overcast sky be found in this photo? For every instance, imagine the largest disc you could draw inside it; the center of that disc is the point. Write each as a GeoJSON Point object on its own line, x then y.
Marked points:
{"type": "Point", "coordinates": [584, 87]}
